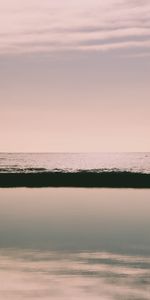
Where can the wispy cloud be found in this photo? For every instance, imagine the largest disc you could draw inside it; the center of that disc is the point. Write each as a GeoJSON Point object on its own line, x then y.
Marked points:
{"type": "Point", "coordinates": [91, 25]}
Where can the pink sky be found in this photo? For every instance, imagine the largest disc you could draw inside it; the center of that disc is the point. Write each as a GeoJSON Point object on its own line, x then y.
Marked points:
{"type": "Point", "coordinates": [74, 75]}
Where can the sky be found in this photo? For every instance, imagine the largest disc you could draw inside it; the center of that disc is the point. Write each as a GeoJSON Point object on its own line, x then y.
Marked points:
{"type": "Point", "coordinates": [74, 75]}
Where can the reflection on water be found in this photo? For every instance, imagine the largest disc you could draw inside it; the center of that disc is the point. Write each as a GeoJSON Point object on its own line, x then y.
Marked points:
{"type": "Point", "coordinates": [74, 244]}
{"type": "Point", "coordinates": [53, 275]}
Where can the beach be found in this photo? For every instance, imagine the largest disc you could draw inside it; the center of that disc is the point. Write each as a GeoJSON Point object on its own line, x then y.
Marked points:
{"type": "Point", "coordinates": [74, 243]}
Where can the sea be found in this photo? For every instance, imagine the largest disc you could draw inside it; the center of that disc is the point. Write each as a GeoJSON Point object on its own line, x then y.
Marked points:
{"type": "Point", "coordinates": [32, 162]}
{"type": "Point", "coordinates": [74, 243]}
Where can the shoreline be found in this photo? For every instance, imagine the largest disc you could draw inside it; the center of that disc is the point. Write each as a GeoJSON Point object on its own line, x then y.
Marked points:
{"type": "Point", "coordinates": [75, 179]}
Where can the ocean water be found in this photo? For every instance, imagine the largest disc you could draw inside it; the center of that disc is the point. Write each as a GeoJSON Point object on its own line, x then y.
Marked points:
{"type": "Point", "coordinates": [74, 243]}
{"type": "Point", "coordinates": [64, 244]}
{"type": "Point", "coordinates": [33, 162]}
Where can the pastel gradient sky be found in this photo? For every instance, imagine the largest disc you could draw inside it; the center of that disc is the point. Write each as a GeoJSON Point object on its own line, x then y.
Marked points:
{"type": "Point", "coordinates": [74, 75]}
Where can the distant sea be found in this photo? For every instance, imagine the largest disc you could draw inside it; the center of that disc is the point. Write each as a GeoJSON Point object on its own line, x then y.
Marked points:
{"type": "Point", "coordinates": [72, 162]}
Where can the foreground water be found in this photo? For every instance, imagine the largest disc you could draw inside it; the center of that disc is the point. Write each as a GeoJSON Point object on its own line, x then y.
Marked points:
{"type": "Point", "coordinates": [74, 244]}
{"type": "Point", "coordinates": [32, 162]}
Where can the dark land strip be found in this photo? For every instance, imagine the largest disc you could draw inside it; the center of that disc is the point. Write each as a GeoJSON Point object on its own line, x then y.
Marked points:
{"type": "Point", "coordinates": [75, 179]}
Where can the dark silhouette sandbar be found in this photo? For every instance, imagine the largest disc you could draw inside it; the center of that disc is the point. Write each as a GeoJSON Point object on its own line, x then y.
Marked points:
{"type": "Point", "coordinates": [108, 179]}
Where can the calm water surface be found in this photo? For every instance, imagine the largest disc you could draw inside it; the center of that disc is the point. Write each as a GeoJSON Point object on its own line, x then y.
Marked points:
{"type": "Point", "coordinates": [74, 244]}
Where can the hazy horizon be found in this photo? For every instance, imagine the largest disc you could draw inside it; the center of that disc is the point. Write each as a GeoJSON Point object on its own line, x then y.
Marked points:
{"type": "Point", "coordinates": [74, 76]}
{"type": "Point", "coordinates": [72, 152]}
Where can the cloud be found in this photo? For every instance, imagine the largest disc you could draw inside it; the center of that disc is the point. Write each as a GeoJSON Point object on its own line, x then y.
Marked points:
{"type": "Point", "coordinates": [35, 26]}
